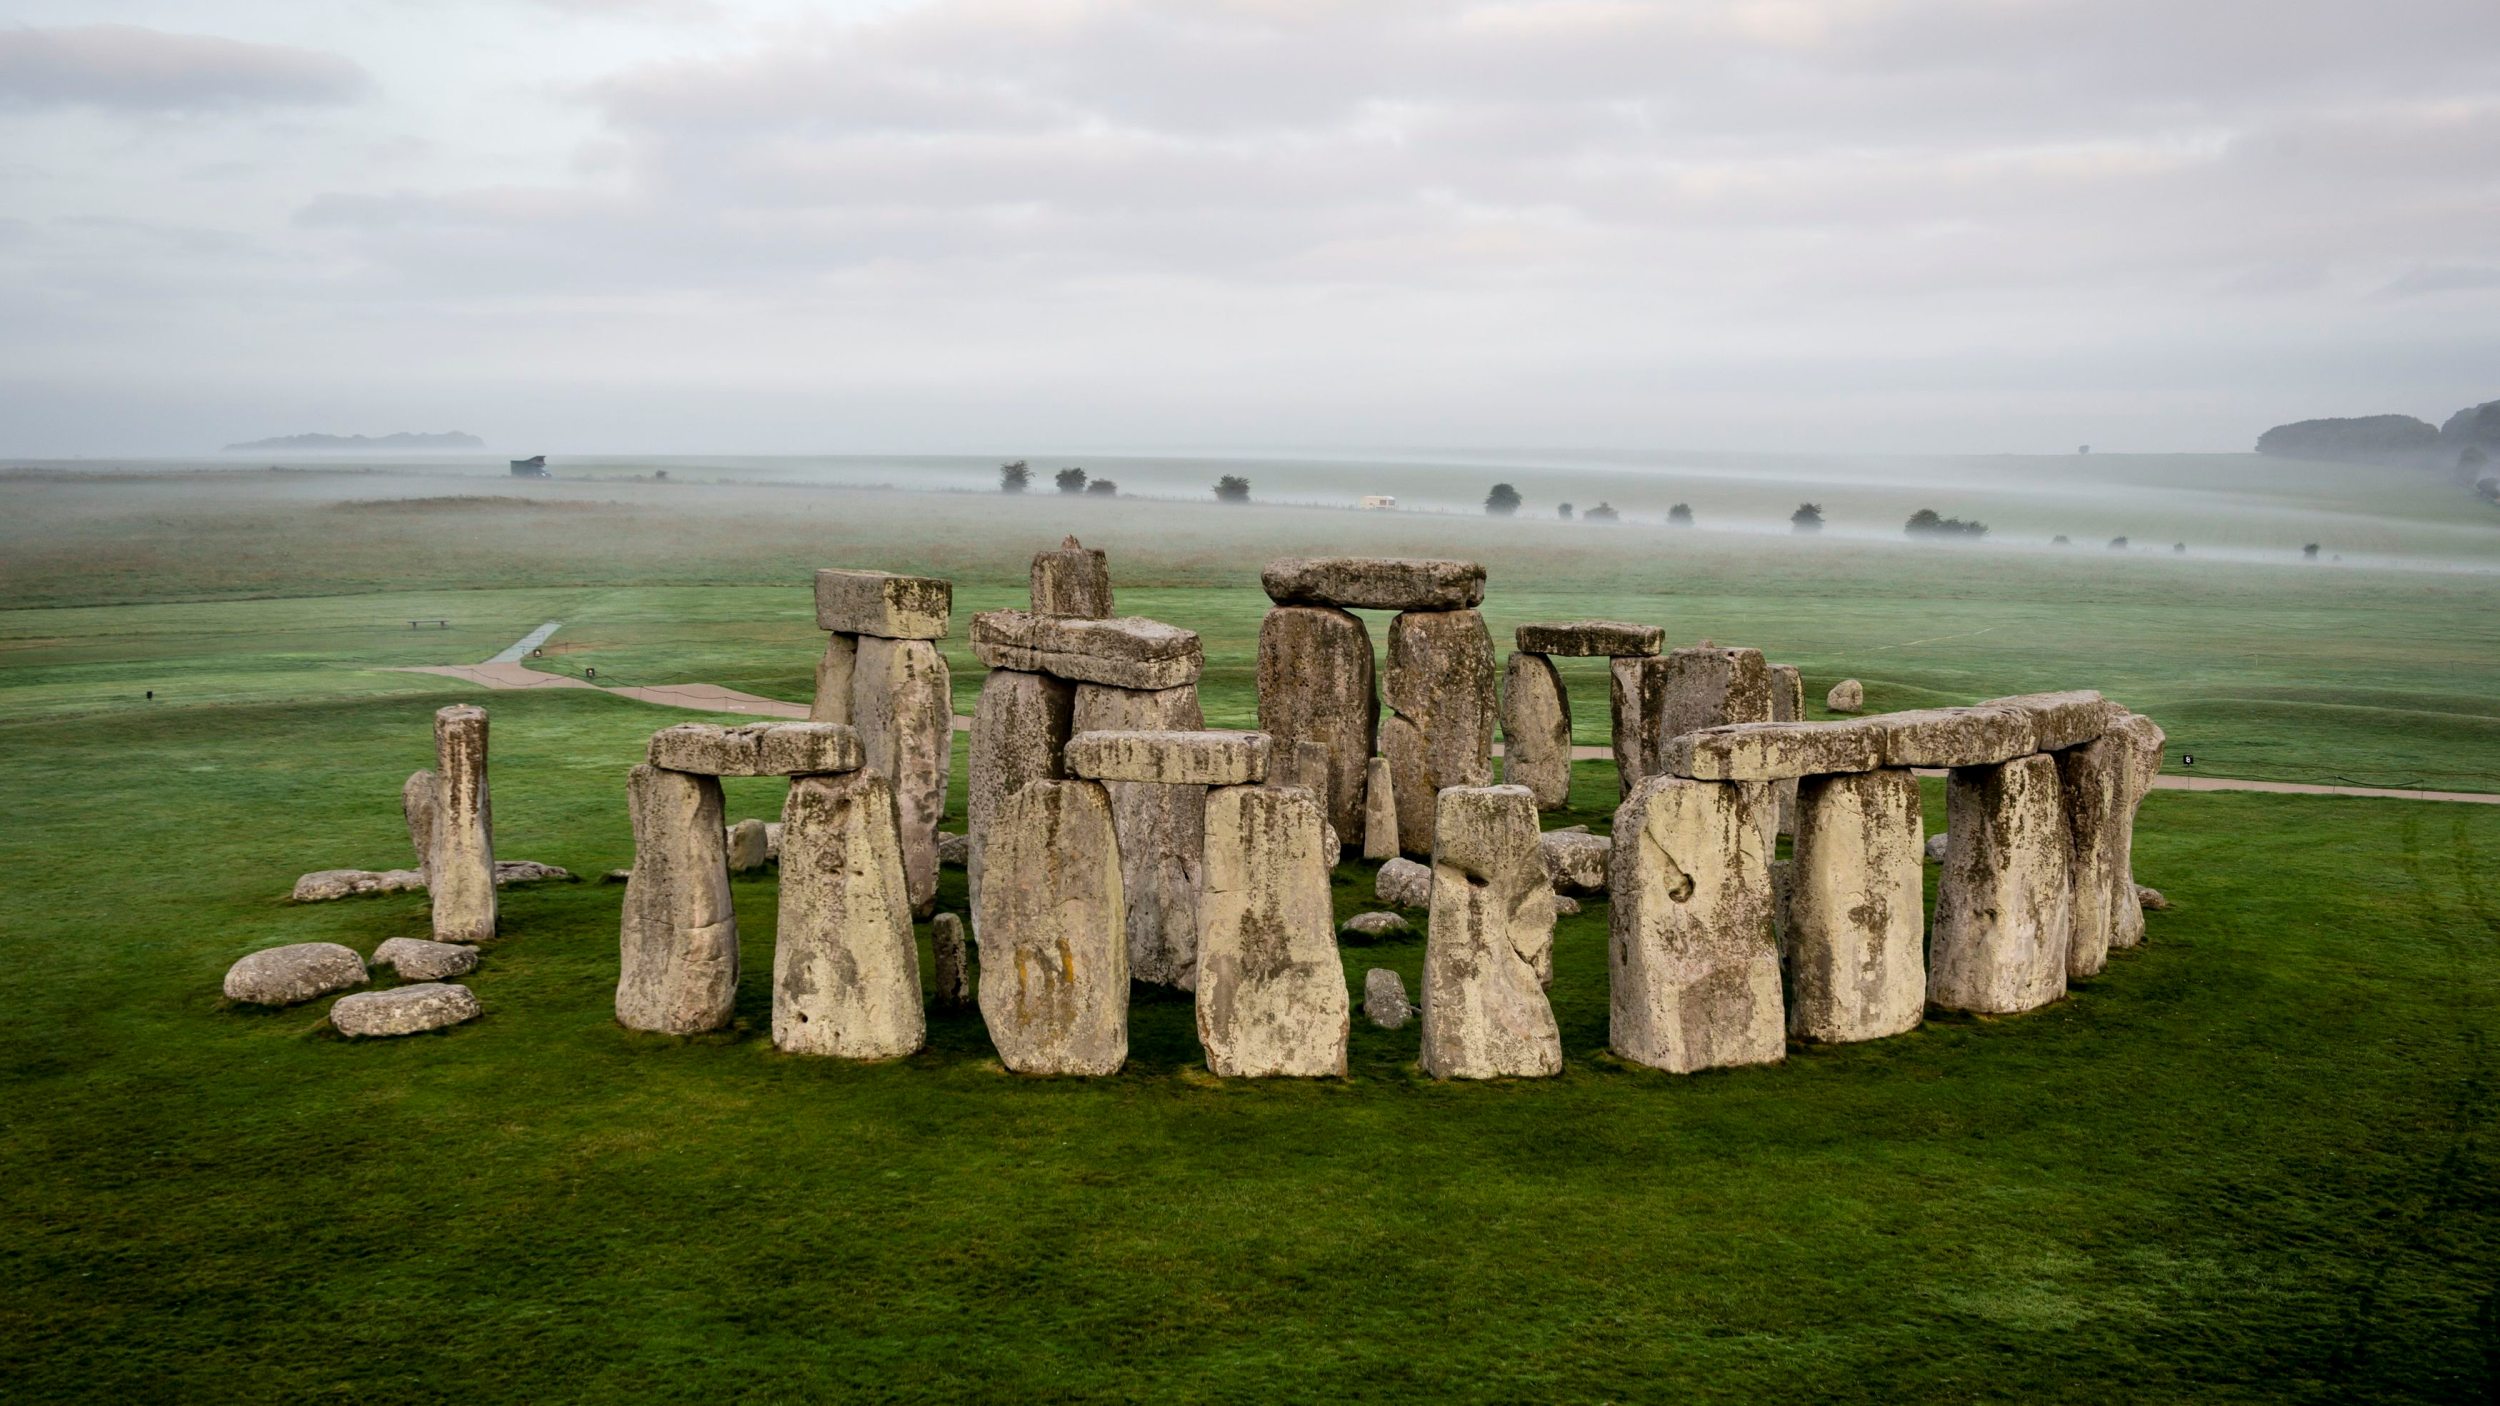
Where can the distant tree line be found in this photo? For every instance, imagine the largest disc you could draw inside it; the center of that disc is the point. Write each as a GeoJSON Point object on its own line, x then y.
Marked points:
{"type": "Point", "coordinates": [1927, 522]}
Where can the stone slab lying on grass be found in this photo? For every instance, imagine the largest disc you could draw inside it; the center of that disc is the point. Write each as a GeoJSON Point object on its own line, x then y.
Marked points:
{"type": "Point", "coordinates": [416, 959]}
{"type": "Point", "coordinates": [528, 871]}
{"type": "Point", "coordinates": [1203, 758]}
{"type": "Point", "coordinates": [1404, 883]}
{"type": "Point", "coordinates": [1575, 860]}
{"type": "Point", "coordinates": [1591, 639]}
{"type": "Point", "coordinates": [756, 749]}
{"type": "Point", "coordinates": [882, 604]}
{"type": "Point", "coordinates": [1384, 999]}
{"type": "Point", "coordinates": [322, 885]}
{"type": "Point", "coordinates": [953, 850]}
{"type": "Point", "coordinates": [403, 1010]}
{"type": "Point", "coordinates": [1375, 583]}
{"type": "Point", "coordinates": [2062, 720]}
{"type": "Point", "coordinates": [1846, 696]}
{"type": "Point", "coordinates": [294, 974]}
{"type": "Point", "coordinates": [1129, 652]}
{"type": "Point", "coordinates": [1377, 925]}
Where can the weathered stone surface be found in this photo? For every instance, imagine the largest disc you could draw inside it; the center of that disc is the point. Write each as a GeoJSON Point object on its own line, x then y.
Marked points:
{"type": "Point", "coordinates": [1074, 580]}
{"type": "Point", "coordinates": [2144, 739]}
{"type": "Point", "coordinates": [772, 840]}
{"type": "Point", "coordinates": [1384, 999]}
{"type": "Point", "coordinates": [1316, 685]}
{"type": "Point", "coordinates": [1129, 652]}
{"type": "Point", "coordinates": [1788, 705]}
{"type": "Point", "coordinates": [403, 1010]}
{"type": "Point", "coordinates": [1380, 811]}
{"type": "Point", "coordinates": [678, 938]}
{"type": "Point", "coordinates": [1702, 686]}
{"type": "Point", "coordinates": [1404, 884]}
{"type": "Point", "coordinates": [883, 605]}
{"type": "Point", "coordinates": [322, 885]}
{"type": "Point", "coordinates": [1375, 583]}
{"type": "Point", "coordinates": [1575, 860]}
{"type": "Point", "coordinates": [1173, 758]}
{"type": "Point", "coordinates": [756, 749]}
{"type": "Point", "coordinates": [835, 669]}
{"type": "Point", "coordinates": [1854, 930]}
{"type": "Point", "coordinates": [1565, 906]}
{"type": "Point", "coordinates": [294, 974]}
{"type": "Point", "coordinates": [954, 849]}
{"type": "Point", "coordinates": [1627, 680]}
{"type": "Point", "coordinates": [1020, 730]}
{"type": "Point", "coordinates": [1301, 764]}
{"type": "Point", "coordinates": [2062, 720]}
{"type": "Point", "coordinates": [1846, 696]}
{"type": "Point", "coordinates": [416, 959]}
{"type": "Point", "coordinates": [1936, 846]}
{"type": "Point", "coordinates": [1774, 751]}
{"type": "Point", "coordinates": [2005, 903]}
{"type": "Point", "coordinates": [1440, 689]}
{"type": "Point", "coordinates": [2092, 784]}
{"type": "Point", "coordinates": [2151, 899]}
{"type": "Point", "coordinates": [1953, 737]}
{"type": "Point", "coordinates": [462, 876]}
{"type": "Point", "coordinates": [1375, 926]}
{"type": "Point", "coordinates": [528, 871]}
{"type": "Point", "coordinates": [416, 806]}
{"type": "Point", "coordinates": [1590, 639]}
{"type": "Point", "coordinates": [846, 969]}
{"type": "Point", "coordinates": [1695, 969]}
{"type": "Point", "coordinates": [1489, 948]}
{"type": "Point", "coordinates": [1052, 932]}
{"type": "Point", "coordinates": [1271, 988]}
{"type": "Point", "coordinates": [1162, 832]}
{"type": "Point", "coordinates": [953, 960]}
{"type": "Point", "coordinates": [1536, 730]}
{"type": "Point", "coordinates": [746, 847]}
{"type": "Point", "coordinates": [903, 707]}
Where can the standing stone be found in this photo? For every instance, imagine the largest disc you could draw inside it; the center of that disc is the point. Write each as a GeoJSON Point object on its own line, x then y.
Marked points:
{"type": "Point", "coordinates": [834, 672]}
{"type": "Point", "coordinates": [1020, 728]}
{"type": "Point", "coordinates": [902, 703]}
{"type": "Point", "coordinates": [1271, 987]}
{"type": "Point", "coordinates": [1627, 682]}
{"type": "Point", "coordinates": [1485, 1012]}
{"type": "Point", "coordinates": [2092, 783]}
{"type": "Point", "coordinates": [1384, 999]}
{"type": "Point", "coordinates": [750, 846]}
{"type": "Point", "coordinates": [953, 961]}
{"type": "Point", "coordinates": [2005, 903]}
{"type": "Point", "coordinates": [846, 969]}
{"type": "Point", "coordinates": [1316, 685]}
{"type": "Point", "coordinates": [1695, 969]}
{"type": "Point", "coordinates": [1847, 696]}
{"type": "Point", "coordinates": [1536, 730]}
{"type": "Point", "coordinates": [416, 805]}
{"type": "Point", "coordinates": [1380, 811]}
{"type": "Point", "coordinates": [1704, 686]}
{"type": "Point", "coordinates": [1162, 833]}
{"type": "Point", "coordinates": [463, 877]}
{"type": "Point", "coordinates": [2144, 739]}
{"type": "Point", "coordinates": [678, 969]}
{"type": "Point", "coordinates": [1052, 931]}
{"type": "Point", "coordinates": [1440, 691]}
{"type": "Point", "coordinates": [1855, 919]}
{"type": "Point", "coordinates": [1788, 705]}
{"type": "Point", "coordinates": [1074, 580]}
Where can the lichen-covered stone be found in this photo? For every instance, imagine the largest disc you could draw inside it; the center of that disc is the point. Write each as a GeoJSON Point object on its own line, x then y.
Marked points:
{"type": "Point", "coordinates": [416, 959]}
{"type": "Point", "coordinates": [1196, 757]}
{"type": "Point", "coordinates": [322, 885]}
{"type": "Point", "coordinates": [2005, 903]}
{"type": "Point", "coordinates": [834, 671]}
{"type": "Point", "coordinates": [1375, 583]}
{"type": "Point", "coordinates": [903, 707]}
{"type": "Point", "coordinates": [462, 875]}
{"type": "Point", "coordinates": [1854, 926]}
{"type": "Point", "coordinates": [1020, 730]}
{"type": "Point", "coordinates": [1953, 737]}
{"type": "Point", "coordinates": [1575, 860]}
{"type": "Point", "coordinates": [1489, 948]}
{"type": "Point", "coordinates": [1271, 988]}
{"type": "Point", "coordinates": [1846, 696]}
{"type": "Point", "coordinates": [2144, 740]}
{"type": "Point", "coordinates": [1440, 689]}
{"type": "Point", "coordinates": [416, 806]}
{"type": "Point", "coordinates": [846, 969]}
{"type": "Point", "coordinates": [1162, 832]}
{"type": "Point", "coordinates": [1380, 811]}
{"type": "Point", "coordinates": [1316, 684]}
{"type": "Point", "coordinates": [756, 749]}
{"type": "Point", "coordinates": [748, 847]}
{"type": "Point", "coordinates": [1771, 751]}
{"type": "Point", "coordinates": [2062, 720]}
{"type": "Point", "coordinates": [1590, 639]}
{"type": "Point", "coordinates": [952, 960]}
{"type": "Point", "coordinates": [1403, 883]}
{"type": "Point", "coordinates": [294, 974]}
{"type": "Point", "coordinates": [1695, 973]}
{"type": "Point", "coordinates": [1627, 680]}
{"type": "Point", "coordinates": [1074, 580]}
{"type": "Point", "coordinates": [1128, 652]}
{"type": "Point", "coordinates": [403, 1010]}
{"type": "Point", "coordinates": [1936, 844]}
{"type": "Point", "coordinates": [1702, 686]}
{"type": "Point", "coordinates": [1384, 999]}
{"type": "Point", "coordinates": [1301, 764]}
{"type": "Point", "coordinates": [883, 605]}
{"type": "Point", "coordinates": [1051, 926]}
{"type": "Point", "coordinates": [2092, 783]}
{"type": "Point", "coordinates": [1788, 705]}
{"type": "Point", "coordinates": [1536, 730]}
{"type": "Point", "coordinates": [678, 936]}
{"type": "Point", "coordinates": [1376, 926]}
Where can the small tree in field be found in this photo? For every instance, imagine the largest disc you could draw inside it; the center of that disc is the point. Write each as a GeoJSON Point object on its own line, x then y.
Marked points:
{"type": "Point", "coordinates": [1603, 512]}
{"type": "Point", "coordinates": [1681, 515]}
{"type": "Point", "coordinates": [1232, 488]}
{"type": "Point", "coordinates": [1563, 511]}
{"type": "Point", "coordinates": [2310, 552]}
{"type": "Point", "coordinates": [1070, 480]}
{"type": "Point", "coordinates": [1807, 518]}
{"type": "Point", "coordinates": [1502, 501]}
{"type": "Point", "coordinates": [1015, 477]}
{"type": "Point", "coordinates": [2117, 544]}
{"type": "Point", "coordinates": [1102, 488]}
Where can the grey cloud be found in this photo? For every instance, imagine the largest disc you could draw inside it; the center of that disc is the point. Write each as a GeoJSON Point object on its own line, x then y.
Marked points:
{"type": "Point", "coordinates": [129, 68]}
{"type": "Point", "coordinates": [2450, 278]}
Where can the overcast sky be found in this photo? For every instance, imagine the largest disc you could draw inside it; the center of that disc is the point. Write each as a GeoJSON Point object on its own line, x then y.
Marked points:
{"type": "Point", "coordinates": [1028, 225]}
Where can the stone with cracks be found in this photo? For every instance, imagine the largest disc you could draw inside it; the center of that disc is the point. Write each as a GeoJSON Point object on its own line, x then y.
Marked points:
{"type": "Point", "coordinates": [1846, 696]}
{"type": "Point", "coordinates": [1020, 730]}
{"type": "Point", "coordinates": [403, 1010]}
{"type": "Point", "coordinates": [2005, 903]}
{"type": "Point", "coordinates": [1953, 737]}
{"type": "Point", "coordinates": [1315, 684]}
{"type": "Point", "coordinates": [1054, 949]}
{"type": "Point", "coordinates": [1575, 860]}
{"type": "Point", "coordinates": [1172, 758]}
{"type": "Point", "coordinates": [903, 707]}
{"type": "Point", "coordinates": [1490, 939]}
{"type": "Point", "coordinates": [1128, 652]}
{"type": "Point", "coordinates": [846, 969]}
{"type": "Point", "coordinates": [1536, 730]}
{"type": "Point", "coordinates": [749, 849]}
{"type": "Point", "coordinates": [416, 959]}
{"type": "Point", "coordinates": [416, 806]}
{"type": "Point", "coordinates": [2144, 739]}
{"type": "Point", "coordinates": [462, 876]}
{"type": "Point", "coordinates": [1384, 999]}
{"type": "Point", "coordinates": [1403, 883]}
{"type": "Point", "coordinates": [1774, 751]}
{"type": "Point", "coordinates": [1788, 705]}
{"type": "Point", "coordinates": [1590, 639]}
{"type": "Point", "coordinates": [1161, 828]}
{"type": "Point", "coordinates": [2062, 720]}
{"type": "Point", "coordinates": [953, 960]}
{"type": "Point", "coordinates": [1440, 689]}
{"type": "Point", "coordinates": [1695, 970]}
{"type": "Point", "coordinates": [678, 937]}
{"type": "Point", "coordinates": [294, 974]}
{"type": "Point", "coordinates": [1375, 583]}
{"type": "Point", "coordinates": [883, 605]}
{"type": "Point", "coordinates": [756, 749]}
{"type": "Point", "coordinates": [1855, 922]}
{"type": "Point", "coordinates": [1380, 811]}
{"type": "Point", "coordinates": [1271, 987]}
{"type": "Point", "coordinates": [2092, 784]}
{"type": "Point", "coordinates": [1074, 580]}
{"type": "Point", "coordinates": [834, 671]}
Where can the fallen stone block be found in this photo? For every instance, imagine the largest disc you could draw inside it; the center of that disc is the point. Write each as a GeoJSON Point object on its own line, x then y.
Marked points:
{"type": "Point", "coordinates": [403, 1010]}
{"type": "Point", "coordinates": [746, 847]}
{"type": "Point", "coordinates": [756, 749]}
{"type": "Point", "coordinates": [1129, 652]}
{"type": "Point", "coordinates": [1846, 696]}
{"type": "Point", "coordinates": [417, 959]}
{"type": "Point", "coordinates": [1565, 906]}
{"type": "Point", "coordinates": [1575, 860]}
{"type": "Point", "coordinates": [2151, 899]}
{"type": "Point", "coordinates": [883, 605]}
{"type": "Point", "coordinates": [322, 885]}
{"type": "Point", "coordinates": [954, 850]}
{"type": "Point", "coordinates": [1384, 999]}
{"type": "Point", "coordinates": [1375, 583]}
{"type": "Point", "coordinates": [1404, 883]}
{"type": "Point", "coordinates": [529, 871]}
{"type": "Point", "coordinates": [294, 974]}
{"type": "Point", "coordinates": [1590, 639]}
{"type": "Point", "coordinates": [1377, 926]}
{"type": "Point", "coordinates": [1202, 758]}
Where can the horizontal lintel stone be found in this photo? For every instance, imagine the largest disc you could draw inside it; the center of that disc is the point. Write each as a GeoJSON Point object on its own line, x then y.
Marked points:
{"type": "Point", "coordinates": [1776, 751]}
{"type": "Point", "coordinates": [1951, 737]}
{"type": "Point", "coordinates": [2063, 720]}
{"type": "Point", "coordinates": [1375, 583]}
{"type": "Point", "coordinates": [1197, 758]}
{"type": "Point", "coordinates": [756, 749]}
{"type": "Point", "coordinates": [1127, 652]}
{"type": "Point", "coordinates": [1591, 639]}
{"type": "Point", "coordinates": [883, 604]}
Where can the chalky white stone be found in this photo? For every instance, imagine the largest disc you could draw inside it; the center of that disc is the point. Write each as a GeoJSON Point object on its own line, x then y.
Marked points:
{"type": "Point", "coordinates": [1403, 883]}
{"type": "Point", "coordinates": [1051, 927]}
{"type": "Point", "coordinates": [416, 959]}
{"type": "Point", "coordinates": [1315, 684]}
{"type": "Point", "coordinates": [403, 1010]}
{"type": "Point", "coordinates": [902, 706]}
{"type": "Point", "coordinates": [1271, 988]}
{"type": "Point", "coordinates": [1441, 694]}
{"type": "Point", "coordinates": [294, 974]}
{"type": "Point", "coordinates": [2005, 903]}
{"type": "Point", "coordinates": [1492, 928]}
{"type": "Point", "coordinates": [462, 876]}
{"type": "Point", "coordinates": [1536, 730]}
{"type": "Point", "coordinates": [1695, 968]}
{"type": "Point", "coordinates": [1161, 827]}
{"type": "Point", "coordinates": [678, 936]}
{"type": "Point", "coordinates": [846, 968]}
{"type": "Point", "coordinates": [1855, 923]}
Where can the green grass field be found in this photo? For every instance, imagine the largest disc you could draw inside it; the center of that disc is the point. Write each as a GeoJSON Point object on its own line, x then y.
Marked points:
{"type": "Point", "coordinates": [2254, 1161]}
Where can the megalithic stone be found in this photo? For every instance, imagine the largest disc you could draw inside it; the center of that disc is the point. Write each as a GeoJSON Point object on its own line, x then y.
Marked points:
{"type": "Point", "coordinates": [902, 703]}
{"type": "Point", "coordinates": [1162, 832]}
{"type": "Point", "coordinates": [1485, 1012]}
{"type": "Point", "coordinates": [417, 799]}
{"type": "Point", "coordinates": [1536, 730]}
{"type": "Point", "coordinates": [834, 672]}
{"type": "Point", "coordinates": [1788, 705]}
{"type": "Point", "coordinates": [1052, 931]}
{"type": "Point", "coordinates": [1626, 680]}
{"type": "Point", "coordinates": [2005, 902]}
{"type": "Point", "coordinates": [1704, 686]}
{"type": "Point", "coordinates": [846, 969]}
{"type": "Point", "coordinates": [678, 948]}
{"type": "Point", "coordinates": [2092, 782]}
{"type": "Point", "coordinates": [1020, 729]}
{"type": "Point", "coordinates": [1855, 925]}
{"type": "Point", "coordinates": [1074, 580]}
{"type": "Point", "coordinates": [1440, 689]}
{"type": "Point", "coordinates": [463, 879]}
{"type": "Point", "coordinates": [1271, 988]}
{"type": "Point", "coordinates": [1316, 685]}
{"type": "Point", "coordinates": [2144, 739]}
{"type": "Point", "coordinates": [1694, 966]}
{"type": "Point", "coordinates": [953, 961]}
{"type": "Point", "coordinates": [1380, 811]}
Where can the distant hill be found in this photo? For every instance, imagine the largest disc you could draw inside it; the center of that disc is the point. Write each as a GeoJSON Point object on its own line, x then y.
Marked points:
{"type": "Point", "coordinates": [2362, 439]}
{"type": "Point", "coordinates": [365, 444]}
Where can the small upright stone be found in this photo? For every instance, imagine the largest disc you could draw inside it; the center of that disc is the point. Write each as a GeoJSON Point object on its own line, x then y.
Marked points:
{"type": "Point", "coordinates": [403, 1010]}
{"type": "Point", "coordinates": [952, 959]}
{"type": "Point", "coordinates": [1384, 999]}
{"type": "Point", "coordinates": [1380, 811]}
{"type": "Point", "coordinates": [883, 605]}
{"type": "Point", "coordinates": [1271, 987]}
{"type": "Point", "coordinates": [1051, 926]}
{"type": "Point", "coordinates": [846, 972]}
{"type": "Point", "coordinates": [678, 936]}
{"type": "Point", "coordinates": [294, 974]}
{"type": "Point", "coordinates": [416, 806]}
{"type": "Point", "coordinates": [1375, 583]}
{"type": "Point", "coordinates": [416, 959]}
{"type": "Point", "coordinates": [1695, 969]}
{"type": "Point", "coordinates": [1492, 929]}
{"type": "Point", "coordinates": [462, 877]}
{"type": "Point", "coordinates": [1440, 688]}
{"type": "Point", "coordinates": [2005, 903]}
{"type": "Point", "coordinates": [748, 850]}
{"type": "Point", "coordinates": [1536, 730]}
{"type": "Point", "coordinates": [1074, 580]}
{"type": "Point", "coordinates": [1846, 696]}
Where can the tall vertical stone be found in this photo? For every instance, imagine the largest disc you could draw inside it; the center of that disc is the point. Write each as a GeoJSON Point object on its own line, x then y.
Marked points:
{"type": "Point", "coordinates": [846, 969]}
{"type": "Point", "coordinates": [1440, 690]}
{"type": "Point", "coordinates": [1052, 932]}
{"type": "Point", "coordinates": [1074, 580]}
{"type": "Point", "coordinates": [1485, 1012]}
{"type": "Point", "coordinates": [1855, 927]}
{"type": "Point", "coordinates": [1316, 685]}
{"type": "Point", "coordinates": [2144, 739]}
{"type": "Point", "coordinates": [1020, 726]}
{"type": "Point", "coordinates": [1162, 831]}
{"type": "Point", "coordinates": [1627, 682]}
{"type": "Point", "coordinates": [902, 703]}
{"type": "Point", "coordinates": [2005, 902]}
{"type": "Point", "coordinates": [1380, 811]}
{"type": "Point", "coordinates": [1536, 730]}
{"type": "Point", "coordinates": [463, 878]}
{"type": "Point", "coordinates": [1695, 969]}
{"type": "Point", "coordinates": [834, 671]}
{"type": "Point", "coordinates": [416, 806]}
{"type": "Point", "coordinates": [2092, 782]}
{"type": "Point", "coordinates": [1788, 705]}
{"type": "Point", "coordinates": [678, 947]}
{"type": "Point", "coordinates": [1271, 988]}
